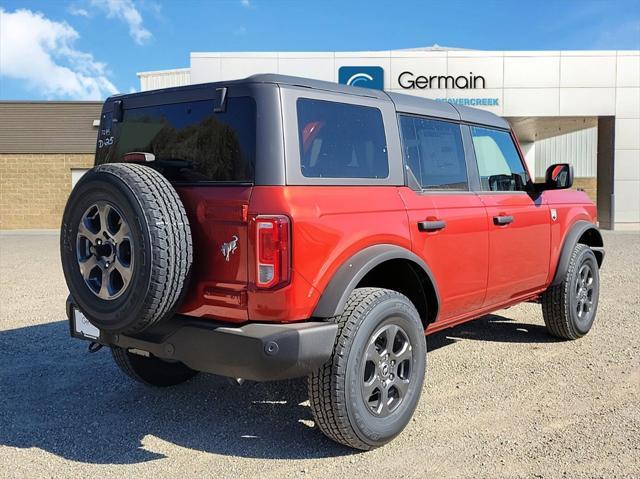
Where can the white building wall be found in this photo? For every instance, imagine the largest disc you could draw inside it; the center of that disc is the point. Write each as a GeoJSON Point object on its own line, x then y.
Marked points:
{"type": "Point", "coordinates": [580, 148]}
{"type": "Point", "coordinates": [164, 78]}
{"type": "Point", "coordinates": [526, 83]}
{"type": "Point", "coordinates": [627, 140]}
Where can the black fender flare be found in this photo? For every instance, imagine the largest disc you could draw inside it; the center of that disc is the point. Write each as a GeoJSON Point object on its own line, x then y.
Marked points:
{"type": "Point", "coordinates": [578, 229]}
{"type": "Point", "coordinates": [346, 278]}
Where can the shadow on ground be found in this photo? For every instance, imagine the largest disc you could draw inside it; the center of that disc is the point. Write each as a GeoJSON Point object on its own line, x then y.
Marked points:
{"type": "Point", "coordinates": [57, 397]}
{"type": "Point", "coordinates": [494, 328]}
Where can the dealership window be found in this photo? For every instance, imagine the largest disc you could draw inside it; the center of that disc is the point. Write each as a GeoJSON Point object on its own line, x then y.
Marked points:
{"type": "Point", "coordinates": [434, 152]}
{"type": "Point", "coordinates": [499, 163]}
{"type": "Point", "coordinates": [341, 140]}
{"type": "Point", "coordinates": [190, 141]}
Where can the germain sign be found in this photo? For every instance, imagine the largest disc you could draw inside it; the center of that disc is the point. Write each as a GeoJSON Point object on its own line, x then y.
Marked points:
{"type": "Point", "coordinates": [409, 81]}
{"type": "Point", "coordinates": [362, 76]}
{"type": "Point", "coordinates": [373, 77]}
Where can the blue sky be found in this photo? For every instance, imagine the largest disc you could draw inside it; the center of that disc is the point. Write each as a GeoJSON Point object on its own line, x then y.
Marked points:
{"type": "Point", "coordinates": [87, 49]}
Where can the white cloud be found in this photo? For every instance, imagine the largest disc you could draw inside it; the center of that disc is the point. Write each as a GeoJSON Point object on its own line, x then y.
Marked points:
{"type": "Point", "coordinates": [246, 3]}
{"type": "Point", "coordinates": [240, 31]}
{"type": "Point", "coordinates": [125, 10]}
{"type": "Point", "coordinates": [77, 11]}
{"type": "Point", "coordinates": [41, 52]}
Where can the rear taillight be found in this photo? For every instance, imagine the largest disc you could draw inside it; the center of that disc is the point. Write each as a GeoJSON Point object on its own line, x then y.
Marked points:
{"type": "Point", "coordinates": [273, 251]}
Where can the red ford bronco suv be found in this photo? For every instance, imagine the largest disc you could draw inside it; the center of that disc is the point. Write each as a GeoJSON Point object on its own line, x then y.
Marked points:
{"type": "Point", "coordinates": [279, 227]}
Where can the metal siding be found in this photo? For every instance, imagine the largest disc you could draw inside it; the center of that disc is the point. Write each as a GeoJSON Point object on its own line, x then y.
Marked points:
{"type": "Point", "coordinates": [48, 127]}
{"type": "Point", "coordinates": [164, 79]}
{"type": "Point", "coordinates": [578, 148]}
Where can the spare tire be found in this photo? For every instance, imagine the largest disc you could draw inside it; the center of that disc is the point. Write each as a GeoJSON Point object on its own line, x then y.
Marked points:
{"type": "Point", "coordinates": [126, 247]}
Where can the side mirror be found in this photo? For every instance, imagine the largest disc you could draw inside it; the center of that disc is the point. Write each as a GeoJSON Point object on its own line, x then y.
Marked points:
{"type": "Point", "coordinates": [558, 177]}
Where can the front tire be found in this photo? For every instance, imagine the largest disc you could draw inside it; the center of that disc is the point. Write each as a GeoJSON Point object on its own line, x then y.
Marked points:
{"type": "Point", "coordinates": [150, 370]}
{"type": "Point", "coordinates": [569, 308]}
{"type": "Point", "coordinates": [366, 393]}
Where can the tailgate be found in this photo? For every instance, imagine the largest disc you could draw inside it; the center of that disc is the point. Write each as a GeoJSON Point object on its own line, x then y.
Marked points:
{"type": "Point", "coordinates": [219, 226]}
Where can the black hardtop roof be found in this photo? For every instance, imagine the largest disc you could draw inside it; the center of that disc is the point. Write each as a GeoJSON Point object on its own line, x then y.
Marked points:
{"type": "Point", "coordinates": [404, 103]}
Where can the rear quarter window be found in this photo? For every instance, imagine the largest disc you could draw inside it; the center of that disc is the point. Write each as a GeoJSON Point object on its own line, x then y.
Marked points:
{"type": "Point", "coordinates": [341, 140]}
{"type": "Point", "coordinates": [190, 141]}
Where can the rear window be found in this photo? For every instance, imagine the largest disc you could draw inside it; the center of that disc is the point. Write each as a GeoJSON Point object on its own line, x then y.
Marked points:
{"type": "Point", "coordinates": [190, 141]}
{"type": "Point", "coordinates": [341, 140]}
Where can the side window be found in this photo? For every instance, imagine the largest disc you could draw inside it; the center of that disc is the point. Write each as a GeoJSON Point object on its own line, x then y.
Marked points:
{"type": "Point", "coordinates": [434, 151]}
{"type": "Point", "coordinates": [499, 163]}
{"type": "Point", "coordinates": [341, 140]}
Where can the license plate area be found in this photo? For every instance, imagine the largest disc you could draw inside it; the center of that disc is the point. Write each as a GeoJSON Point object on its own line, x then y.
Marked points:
{"type": "Point", "coordinates": [82, 328]}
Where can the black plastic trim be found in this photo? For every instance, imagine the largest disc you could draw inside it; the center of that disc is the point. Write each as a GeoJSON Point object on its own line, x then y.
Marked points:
{"type": "Point", "coordinates": [570, 241]}
{"type": "Point", "coordinates": [428, 226]}
{"type": "Point", "coordinates": [254, 351]}
{"type": "Point", "coordinates": [502, 220]}
{"type": "Point", "coordinates": [345, 280]}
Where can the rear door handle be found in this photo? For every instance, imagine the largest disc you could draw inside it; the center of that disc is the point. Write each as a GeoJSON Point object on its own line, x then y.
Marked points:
{"type": "Point", "coordinates": [434, 225]}
{"type": "Point", "coordinates": [502, 220]}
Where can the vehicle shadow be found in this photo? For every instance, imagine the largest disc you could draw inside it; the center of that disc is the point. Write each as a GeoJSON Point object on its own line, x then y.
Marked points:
{"type": "Point", "coordinates": [57, 397]}
{"type": "Point", "coordinates": [492, 328]}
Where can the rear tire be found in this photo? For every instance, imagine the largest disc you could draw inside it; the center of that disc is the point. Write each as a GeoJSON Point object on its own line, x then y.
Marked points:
{"type": "Point", "coordinates": [150, 370]}
{"type": "Point", "coordinates": [366, 393]}
{"type": "Point", "coordinates": [569, 308]}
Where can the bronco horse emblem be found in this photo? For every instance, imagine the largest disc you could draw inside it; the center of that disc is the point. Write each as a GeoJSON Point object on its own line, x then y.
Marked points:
{"type": "Point", "coordinates": [229, 248]}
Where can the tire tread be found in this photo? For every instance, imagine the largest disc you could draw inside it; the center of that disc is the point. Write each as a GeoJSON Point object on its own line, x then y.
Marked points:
{"type": "Point", "coordinates": [326, 385]}
{"type": "Point", "coordinates": [171, 243]}
{"type": "Point", "coordinates": [556, 301]}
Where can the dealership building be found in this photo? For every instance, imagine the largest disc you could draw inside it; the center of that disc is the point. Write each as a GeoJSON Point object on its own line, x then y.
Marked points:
{"type": "Point", "coordinates": [581, 107]}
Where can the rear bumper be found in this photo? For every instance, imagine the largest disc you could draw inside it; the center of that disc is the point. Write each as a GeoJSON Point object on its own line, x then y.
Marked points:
{"type": "Point", "coordinates": [255, 351]}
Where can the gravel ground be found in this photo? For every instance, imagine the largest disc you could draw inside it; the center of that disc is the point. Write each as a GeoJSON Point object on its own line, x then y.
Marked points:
{"type": "Point", "coordinates": [501, 397]}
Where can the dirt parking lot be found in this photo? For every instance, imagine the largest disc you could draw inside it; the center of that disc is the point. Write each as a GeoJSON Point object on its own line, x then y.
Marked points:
{"type": "Point", "coordinates": [501, 397]}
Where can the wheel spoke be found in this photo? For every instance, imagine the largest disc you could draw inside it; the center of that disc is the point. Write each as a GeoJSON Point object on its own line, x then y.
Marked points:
{"type": "Point", "coordinates": [390, 333]}
{"type": "Point", "coordinates": [588, 304]}
{"type": "Point", "coordinates": [104, 285]}
{"type": "Point", "coordinates": [402, 385]}
{"type": "Point", "coordinates": [125, 272]}
{"type": "Point", "coordinates": [87, 266]}
{"type": "Point", "coordinates": [402, 355]}
{"type": "Point", "coordinates": [103, 215]}
{"type": "Point", "coordinates": [372, 353]}
{"type": "Point", "coordinates": [123, 233]}
{"type": "Point", "coordinates": [384, 401]}
{"type": "Point", "coordinates": [369, 388]}
{"type": "Point", "coordinates": [86, 232]}
{"type": "Point", "coordinates": [583, 274]}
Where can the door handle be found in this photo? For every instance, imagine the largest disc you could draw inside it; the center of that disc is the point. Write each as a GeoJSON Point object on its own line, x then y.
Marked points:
{"type": "Point", "coordinates": [502, 220]}
{"type": "Point", "coordinates": [434, 225]}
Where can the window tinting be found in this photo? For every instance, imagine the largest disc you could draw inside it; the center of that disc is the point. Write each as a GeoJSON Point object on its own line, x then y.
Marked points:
{"type": "Point", "coordinates": [340, 140]}
{"type": "Point", "coordinates": [499, 163]}
{"type": "Point", "coordinates": [191, 143]}
{"type": "Point", "coordinates": [434, 151]}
